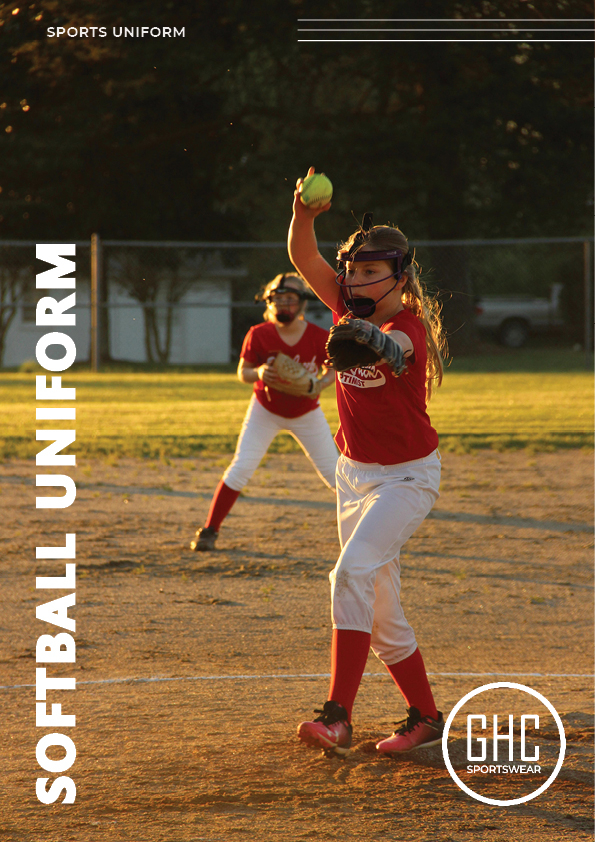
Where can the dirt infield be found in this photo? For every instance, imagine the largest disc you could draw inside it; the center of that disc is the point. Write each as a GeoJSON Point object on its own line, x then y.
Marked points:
{"type": "Point", "coordinates": [498, 582]}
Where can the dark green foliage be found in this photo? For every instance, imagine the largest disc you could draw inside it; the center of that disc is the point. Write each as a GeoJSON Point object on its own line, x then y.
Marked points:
{"type": "Point", "coordinates": [203, 137]}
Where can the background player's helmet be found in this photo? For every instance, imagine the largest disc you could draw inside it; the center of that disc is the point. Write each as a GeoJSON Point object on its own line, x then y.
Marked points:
{"type": "Point", "coordinates": [287, 283]}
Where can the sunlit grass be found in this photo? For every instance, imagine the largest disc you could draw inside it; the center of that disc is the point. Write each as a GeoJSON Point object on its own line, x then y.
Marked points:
{"type": "Point", "coordinates": [151, 414]}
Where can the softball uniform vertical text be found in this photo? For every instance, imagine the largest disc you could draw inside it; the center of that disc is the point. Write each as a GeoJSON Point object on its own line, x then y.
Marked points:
{"type": "Point", "coordinates": [53, 646]}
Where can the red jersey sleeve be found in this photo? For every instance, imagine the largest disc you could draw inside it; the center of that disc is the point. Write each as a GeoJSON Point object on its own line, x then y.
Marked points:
{"type": "Point", "coordinates": [252, 351]}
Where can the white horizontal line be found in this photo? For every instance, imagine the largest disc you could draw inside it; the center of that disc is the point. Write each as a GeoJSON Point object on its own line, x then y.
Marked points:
{"type": "Point", "coordinates": [441, 40]}
{"type": "Point", "coordinates": [425, 29]}
{"type": "Point", "coordinates": [158, 679]}
{"type": "Point", "coordinates": [444, 20]}
{"type": "Point", "coordinates": [512, 674]}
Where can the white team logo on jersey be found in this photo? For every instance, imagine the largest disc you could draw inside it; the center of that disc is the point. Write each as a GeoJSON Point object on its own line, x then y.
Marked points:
{"type": "Point", "coordinates": [363, 378]}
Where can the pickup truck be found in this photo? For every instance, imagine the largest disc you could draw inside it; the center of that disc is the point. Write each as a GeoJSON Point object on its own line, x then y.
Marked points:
{"type": "Point", "coordinates": [513, 318]}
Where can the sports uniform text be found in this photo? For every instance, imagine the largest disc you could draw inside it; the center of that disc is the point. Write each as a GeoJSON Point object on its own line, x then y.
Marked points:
{"type": "Point", "coordinates": [116, 32]}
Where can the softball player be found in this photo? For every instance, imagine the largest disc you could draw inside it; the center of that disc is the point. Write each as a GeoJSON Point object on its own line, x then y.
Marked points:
{"type": "Point", "coordinates": [388, 472]}
{"type": "Point", "coordinates": [272, 410]}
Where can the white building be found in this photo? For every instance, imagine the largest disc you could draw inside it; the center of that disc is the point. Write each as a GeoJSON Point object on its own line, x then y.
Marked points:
{"type": "Point", "coordinates": [201, 321]}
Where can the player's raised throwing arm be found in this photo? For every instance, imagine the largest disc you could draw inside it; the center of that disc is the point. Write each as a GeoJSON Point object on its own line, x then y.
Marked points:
{"type": "Point", "coordinates": [303, 249]}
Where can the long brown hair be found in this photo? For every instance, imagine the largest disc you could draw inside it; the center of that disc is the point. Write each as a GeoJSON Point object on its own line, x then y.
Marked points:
{"type": "Point", "coordinates": [414, 296]}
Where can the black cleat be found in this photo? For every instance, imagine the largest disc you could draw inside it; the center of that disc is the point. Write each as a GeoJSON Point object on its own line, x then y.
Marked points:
{"type": "Point", "coordinates": [204, 539]}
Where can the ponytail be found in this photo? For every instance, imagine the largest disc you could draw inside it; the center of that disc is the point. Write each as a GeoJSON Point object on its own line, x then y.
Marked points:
{"type": "Point", "coordinates": [427, 309]}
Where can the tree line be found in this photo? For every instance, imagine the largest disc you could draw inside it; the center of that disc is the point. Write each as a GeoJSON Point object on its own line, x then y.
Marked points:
{"type": "Point", "coordinates": [202, 139]}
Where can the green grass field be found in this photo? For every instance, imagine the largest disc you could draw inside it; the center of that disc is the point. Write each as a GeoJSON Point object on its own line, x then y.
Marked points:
{"type": "Point", "coordinates": [541, 400]}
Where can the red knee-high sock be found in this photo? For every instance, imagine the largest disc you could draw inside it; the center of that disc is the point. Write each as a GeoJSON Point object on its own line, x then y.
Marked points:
{"type": "Point", "coordinates": [349, 654]}
{"type": "Point", "coordinates": [411, 679]}
{"type": "Point", "coordinates": [221, 504]}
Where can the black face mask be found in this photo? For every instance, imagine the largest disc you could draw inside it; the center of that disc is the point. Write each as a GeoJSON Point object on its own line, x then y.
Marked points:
{"type": "Point", "coordinates": [359, 306]}
{"type": "Point", "coordinates": [285, 318]}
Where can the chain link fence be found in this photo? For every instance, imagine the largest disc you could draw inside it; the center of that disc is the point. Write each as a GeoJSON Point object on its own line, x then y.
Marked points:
{"type": "Point", "coordinates": [192, 303]}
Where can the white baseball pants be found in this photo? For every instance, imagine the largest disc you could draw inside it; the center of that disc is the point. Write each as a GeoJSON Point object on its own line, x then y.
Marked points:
{"type": "Point", "coordinates": [260, 427]}
{"type": "Point", "coordinates": [378, 508]}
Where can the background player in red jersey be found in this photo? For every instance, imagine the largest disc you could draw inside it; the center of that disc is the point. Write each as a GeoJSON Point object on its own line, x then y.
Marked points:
{"type": "Point", "coordinates": [271, 408]}
{"type": "Point", "coordinates": [388, 472]}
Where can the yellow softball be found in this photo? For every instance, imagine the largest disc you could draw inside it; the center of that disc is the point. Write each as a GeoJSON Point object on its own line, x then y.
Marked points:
{"type": "Point", "coordinates": [317, 191]}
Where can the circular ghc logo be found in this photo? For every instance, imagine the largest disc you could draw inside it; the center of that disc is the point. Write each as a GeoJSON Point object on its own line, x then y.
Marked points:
{"type": "Point", "coordinates": [481, 742]}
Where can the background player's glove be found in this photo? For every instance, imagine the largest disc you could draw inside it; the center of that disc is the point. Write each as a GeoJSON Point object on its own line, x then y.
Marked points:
{"type": "Point", "coordinates": [356, 342]}
{"type": "Point", "coordinates": [295, 379]}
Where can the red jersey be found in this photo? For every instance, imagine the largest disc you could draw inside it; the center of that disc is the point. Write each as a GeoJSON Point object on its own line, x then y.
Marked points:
{"type": "Point", "coordinates": [383, 418]}
{"type": "Point", "coordinates": [261, 345]}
